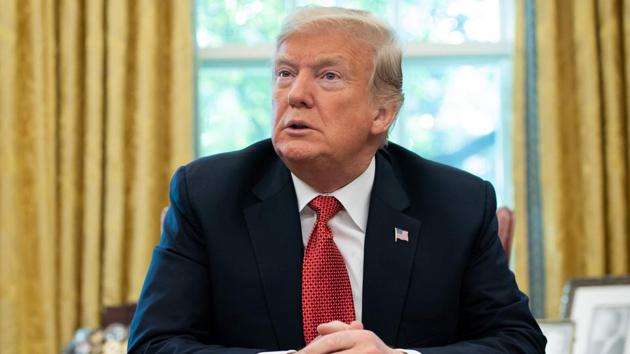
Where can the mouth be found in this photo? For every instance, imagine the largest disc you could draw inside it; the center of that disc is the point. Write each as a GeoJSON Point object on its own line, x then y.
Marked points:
{"type": "Point", "coordinates": [297, 125]}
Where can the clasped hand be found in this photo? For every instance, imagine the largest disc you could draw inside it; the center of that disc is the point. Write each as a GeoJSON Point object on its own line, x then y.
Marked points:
{"type": "Point", "coordinates": [339, 337]}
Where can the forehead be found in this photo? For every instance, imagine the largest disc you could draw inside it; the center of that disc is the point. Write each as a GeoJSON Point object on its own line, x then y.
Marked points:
{"type": "Point", "coordinates": [330, 46]}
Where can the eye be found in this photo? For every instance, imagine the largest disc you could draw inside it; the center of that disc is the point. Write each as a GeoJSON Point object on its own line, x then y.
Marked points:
{"type": "Point", "coordinates": [330, 76]}
{"type": "Point", "coordinates": [283, 73]}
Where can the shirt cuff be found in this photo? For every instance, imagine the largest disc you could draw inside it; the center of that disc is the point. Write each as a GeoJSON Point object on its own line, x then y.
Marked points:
{"type": "Point", "coordinates": [409, 351]}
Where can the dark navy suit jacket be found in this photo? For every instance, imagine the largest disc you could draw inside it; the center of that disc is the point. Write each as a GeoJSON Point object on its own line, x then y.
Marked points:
{"type": "Point", "coordinates": [226, 276]}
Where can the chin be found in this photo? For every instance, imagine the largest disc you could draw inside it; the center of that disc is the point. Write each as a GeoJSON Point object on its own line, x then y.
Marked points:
{"type": "Point", "coordinates": [295, 151]}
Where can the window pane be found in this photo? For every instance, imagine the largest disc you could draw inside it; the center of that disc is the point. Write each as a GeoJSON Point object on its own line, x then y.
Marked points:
{"type": "Point", "coordinates": [436, 21]}
{"type": "Point", "coordinates": [234, 106]}
{"type": "Point", "coordinates": [452, 114]}
{"type": "Point", "coordinates": [382, 8]}
{"type": "Point", "coordinates": [450, 21]}
{"type": "Point", "coordinates": [237, 22]}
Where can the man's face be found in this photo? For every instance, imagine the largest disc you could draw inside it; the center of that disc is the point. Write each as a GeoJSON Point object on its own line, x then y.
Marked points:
{"type": "Point", "coordinates": [321, 108]}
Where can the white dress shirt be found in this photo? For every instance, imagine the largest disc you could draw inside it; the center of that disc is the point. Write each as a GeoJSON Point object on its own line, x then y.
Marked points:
{"type": "Point", "coordinates": [348, 227]}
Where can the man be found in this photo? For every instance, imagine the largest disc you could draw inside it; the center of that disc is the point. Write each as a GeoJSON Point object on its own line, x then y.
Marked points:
{"type": "Point", "coordinates": [608, 330]}
{"type": "Point", "coordinates": [325, 238]}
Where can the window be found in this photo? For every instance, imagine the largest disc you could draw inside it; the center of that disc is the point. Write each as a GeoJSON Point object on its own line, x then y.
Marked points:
{"type": "Point", "coordinates": [457, 77]}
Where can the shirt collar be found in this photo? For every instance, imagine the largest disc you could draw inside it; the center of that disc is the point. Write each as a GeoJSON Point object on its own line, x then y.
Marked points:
{"type": "Point", "coordinates": [354, 196]}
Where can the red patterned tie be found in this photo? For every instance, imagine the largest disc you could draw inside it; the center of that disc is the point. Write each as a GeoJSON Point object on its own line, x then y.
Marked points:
{"type": "Point", "coordinates": [326, 290]}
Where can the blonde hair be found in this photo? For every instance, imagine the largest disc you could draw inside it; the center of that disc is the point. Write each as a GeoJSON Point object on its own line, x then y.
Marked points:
{"type": "Point", "coordinates": [386, 80]}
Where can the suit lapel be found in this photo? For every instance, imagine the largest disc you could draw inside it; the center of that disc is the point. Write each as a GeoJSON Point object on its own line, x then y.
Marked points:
{"type": "Point", "coordinates": [274, 228]}
{"type": "Point", "coordinates": [387, 263]}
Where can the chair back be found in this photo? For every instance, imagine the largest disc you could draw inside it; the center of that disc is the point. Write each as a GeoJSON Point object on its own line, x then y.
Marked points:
{"type": "Point", "coordinates": [505, 217]}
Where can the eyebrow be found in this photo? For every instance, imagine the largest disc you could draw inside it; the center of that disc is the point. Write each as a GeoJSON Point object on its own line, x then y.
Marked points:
{"type": "Point", "coordinates": [283, 60]}
{"type": "Point", "coordinates": [320, 62]}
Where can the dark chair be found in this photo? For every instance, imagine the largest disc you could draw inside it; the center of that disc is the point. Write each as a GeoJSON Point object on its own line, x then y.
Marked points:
{"type": "Point", "coordinates": [505, 217]}
{"type": "Point", "coordinates": [118, 314]}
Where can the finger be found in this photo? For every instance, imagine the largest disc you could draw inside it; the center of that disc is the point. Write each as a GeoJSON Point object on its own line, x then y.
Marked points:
{"type": "Point", "coordinates": [354, 351]}
{"type": "Point", "coordinates": [332, 327]}
{"type": "Point", "coordinates": [355, 341]}
{"type": "Point", "coordinates": [335, 342]}
{"type": "Point", "coordinates": [347, 351]}
{"type": "Point", "coordinates": [356, 325]}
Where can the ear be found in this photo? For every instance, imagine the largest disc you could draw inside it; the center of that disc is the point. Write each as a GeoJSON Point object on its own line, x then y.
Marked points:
{"type": "Point", "coordinates": [383, 118]}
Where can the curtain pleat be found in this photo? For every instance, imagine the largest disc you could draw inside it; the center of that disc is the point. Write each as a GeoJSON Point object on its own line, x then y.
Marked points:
{"type": "Point", "coordinates": [615, 131]}
{"type": "Point", "coordinates": [8, 176]}
{"type": "Point", "coordinates": [582, 76]}
{"type": "Point", "coordinates": [521, 254]}
{"type": "Point", "coordinates": [95, 93]}
{"type": "Point", "coordinates": [95, 114]}
{"type": "Point", "coordinates": [120, 68]}
{"type": "Point", "coordinates": [70, 145]}
{"type": "Point", "coordinates": [28, 213]}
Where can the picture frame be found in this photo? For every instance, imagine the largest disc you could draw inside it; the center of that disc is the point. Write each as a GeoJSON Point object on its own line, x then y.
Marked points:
{"type": "Point", "coordinates": [560, 335]}
{"type": "Point", "coordinates": [600, 311]}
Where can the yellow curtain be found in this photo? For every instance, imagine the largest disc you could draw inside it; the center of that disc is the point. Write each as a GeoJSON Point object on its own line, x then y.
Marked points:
{"type": "Point", "coordinates": [583, 78]}
{"type": "Point", "coordinates": [520, 249]}
{"type": "Point", "coordinates": [95, 114]}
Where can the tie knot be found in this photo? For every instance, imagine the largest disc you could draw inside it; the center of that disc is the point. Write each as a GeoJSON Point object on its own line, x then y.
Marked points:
{"type": "Point", "coordinates": [326, 207]}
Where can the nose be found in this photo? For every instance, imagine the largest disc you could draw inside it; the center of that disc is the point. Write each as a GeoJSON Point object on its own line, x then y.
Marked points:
{"type": "Point", "coordinates": [300, 92]}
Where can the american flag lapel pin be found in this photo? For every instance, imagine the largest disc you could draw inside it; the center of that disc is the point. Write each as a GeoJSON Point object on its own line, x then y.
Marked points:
{"type": "Point", "coordinates": [400, 234]}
